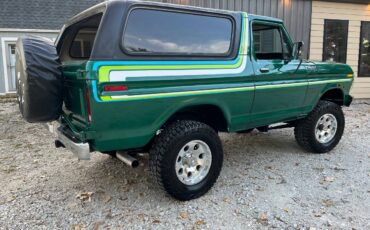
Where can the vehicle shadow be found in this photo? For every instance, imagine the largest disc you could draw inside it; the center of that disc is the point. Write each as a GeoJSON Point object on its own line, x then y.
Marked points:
{"type": "Point", "coordinates": [113, 176]}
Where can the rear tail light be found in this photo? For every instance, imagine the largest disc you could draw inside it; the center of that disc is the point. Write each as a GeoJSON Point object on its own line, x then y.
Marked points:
{"type": "Point", "coordinates": [114, 88]}
{"type": "Point", "coordinates": [88, 106]}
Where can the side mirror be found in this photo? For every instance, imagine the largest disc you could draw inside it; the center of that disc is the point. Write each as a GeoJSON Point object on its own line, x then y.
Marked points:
{"type": "Point", "coordinates": [297, 49]}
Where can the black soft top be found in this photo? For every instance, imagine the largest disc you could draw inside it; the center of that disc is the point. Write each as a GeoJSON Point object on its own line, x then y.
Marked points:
{"type": "Point", "coordinates": [109, 37]}
{"type": "Point", "coordinates": [122, 3]}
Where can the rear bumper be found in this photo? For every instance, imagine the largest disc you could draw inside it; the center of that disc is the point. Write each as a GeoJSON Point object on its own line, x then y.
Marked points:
{"type": "Point", "coordinates": [79, 149]}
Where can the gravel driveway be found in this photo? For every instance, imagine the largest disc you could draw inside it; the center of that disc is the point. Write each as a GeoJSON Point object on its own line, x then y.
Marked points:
{"type": "Point", "coordinates": [267, 182]}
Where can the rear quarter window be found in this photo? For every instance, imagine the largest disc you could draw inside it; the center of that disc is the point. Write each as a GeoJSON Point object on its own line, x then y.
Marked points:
{"type": "Point", "coordinates": [160, 32]}
{"type": "Point", "coordinates": [82, 44]}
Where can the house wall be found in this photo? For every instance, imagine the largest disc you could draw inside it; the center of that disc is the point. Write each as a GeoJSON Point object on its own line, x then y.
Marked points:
{"type": "Point", "coordinates": [355, 13]}
{"type": "Point", "coordinates": [12, 35]}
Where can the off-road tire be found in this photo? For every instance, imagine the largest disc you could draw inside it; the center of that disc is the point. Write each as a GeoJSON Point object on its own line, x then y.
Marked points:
{"type": "Point", "coordinates": [163, 155]}
{"type": "Point", "coordinates": [305, 129]}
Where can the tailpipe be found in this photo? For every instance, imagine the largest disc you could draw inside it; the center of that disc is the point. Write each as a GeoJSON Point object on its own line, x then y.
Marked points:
{"type": "Point", "coordinates": [127, 159]}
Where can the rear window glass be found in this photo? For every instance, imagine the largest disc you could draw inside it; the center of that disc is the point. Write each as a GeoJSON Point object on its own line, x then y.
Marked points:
{"type": "Point", "coordinates": [174, 33]}
{"type": "Point", "coordinates": [82, 44]}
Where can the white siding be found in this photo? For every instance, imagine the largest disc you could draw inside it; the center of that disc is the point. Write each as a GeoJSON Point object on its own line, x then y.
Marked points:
{"type": "Point", "coordinates": [15, 33]}
{"type": "Point", "coordinates": [355, 13]}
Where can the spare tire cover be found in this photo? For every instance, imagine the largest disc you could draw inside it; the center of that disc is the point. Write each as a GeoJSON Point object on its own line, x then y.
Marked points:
{"type": "Point", "coordinates": [39, 79]}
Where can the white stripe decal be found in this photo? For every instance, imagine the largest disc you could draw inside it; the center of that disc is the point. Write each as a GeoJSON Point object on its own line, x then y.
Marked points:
{"type": "Point", "coordinates": [115, 76]}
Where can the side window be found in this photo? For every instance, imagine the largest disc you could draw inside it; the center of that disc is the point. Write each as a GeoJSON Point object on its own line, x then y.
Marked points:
{"type": "Point", "coordinates": [83, 42]}
{"type": "Point", "coordinates": [156, 32]}
{"type": "Point", "coordinates": [270, 42]}
{"type": "Point", "coordinates": [77, 40]}
{"type": "Point", "coordinates": [335, 40]}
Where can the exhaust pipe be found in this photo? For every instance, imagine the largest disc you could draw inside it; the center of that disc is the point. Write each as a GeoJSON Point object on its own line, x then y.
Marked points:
{"type": "Point", "coordinates": [127, 159]}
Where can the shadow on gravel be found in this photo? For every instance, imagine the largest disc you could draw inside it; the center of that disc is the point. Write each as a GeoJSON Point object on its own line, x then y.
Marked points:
{"type": "Point", "coordinates": [242, 149]}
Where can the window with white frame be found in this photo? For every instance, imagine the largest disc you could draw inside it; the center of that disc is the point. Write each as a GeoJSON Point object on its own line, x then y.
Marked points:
{"type": "Point", "coordinates": [364, 58]}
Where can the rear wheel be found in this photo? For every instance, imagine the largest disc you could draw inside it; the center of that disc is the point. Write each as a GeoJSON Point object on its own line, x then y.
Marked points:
{"type": "Point", "coordinates": [186, 159]}
{"type": "Point", "coordinates": [322, 129]}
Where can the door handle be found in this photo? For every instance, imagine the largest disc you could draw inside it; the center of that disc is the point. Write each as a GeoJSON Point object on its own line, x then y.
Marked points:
{"type": "Point", "coordinates": [264, 70]}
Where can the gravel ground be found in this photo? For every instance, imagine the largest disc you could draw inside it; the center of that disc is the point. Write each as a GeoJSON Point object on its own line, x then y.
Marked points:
{"type": "Point", "coordinates": [267, 182]}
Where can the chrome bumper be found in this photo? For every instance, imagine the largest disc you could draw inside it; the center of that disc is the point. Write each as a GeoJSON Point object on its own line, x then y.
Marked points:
{"type": "Point", "coordinates": [81, 150]}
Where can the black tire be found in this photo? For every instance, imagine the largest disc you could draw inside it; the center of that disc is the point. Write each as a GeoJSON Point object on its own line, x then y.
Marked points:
{"type": "Point", "coordinates": [164, 153]}
{"type": "Point", "coordinates": [305, 129]}
{"type": "Point", "coordinates": [39, 79]}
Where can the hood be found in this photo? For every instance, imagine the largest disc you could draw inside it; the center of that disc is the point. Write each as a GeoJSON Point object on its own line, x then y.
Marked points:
{"type": "Point", "coordinates": [332, 68]}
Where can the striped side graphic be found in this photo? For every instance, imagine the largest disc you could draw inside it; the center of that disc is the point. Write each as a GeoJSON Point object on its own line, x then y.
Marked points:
{"type": "Point", "coordinates": [211, 91]}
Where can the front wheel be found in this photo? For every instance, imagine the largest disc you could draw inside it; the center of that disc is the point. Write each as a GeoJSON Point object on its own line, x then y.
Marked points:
{"type": "Point", "coordinates": [186, 159]}
{"type": "Point", "coordinates": [322, 129]}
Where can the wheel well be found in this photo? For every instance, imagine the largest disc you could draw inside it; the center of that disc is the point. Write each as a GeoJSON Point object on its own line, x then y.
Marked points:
{"type": "Point", "coordinates": [208, 114]}
{"type": "Point", "coordinates": [334, 95]}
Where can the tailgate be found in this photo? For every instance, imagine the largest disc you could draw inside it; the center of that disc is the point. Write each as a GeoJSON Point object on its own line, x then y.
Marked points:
{"type": "Point", "coordinates": [75, 92]}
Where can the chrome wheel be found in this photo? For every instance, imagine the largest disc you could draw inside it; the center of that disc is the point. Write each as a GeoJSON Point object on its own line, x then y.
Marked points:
{"type": "Point", "coordinates": [193, 162]}
{"type": "Point", "coordinates": [326, 128]}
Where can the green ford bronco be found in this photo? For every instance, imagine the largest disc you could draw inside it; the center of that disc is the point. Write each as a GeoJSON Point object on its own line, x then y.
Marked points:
{"type": "Point", "coordinates": [127, 77]}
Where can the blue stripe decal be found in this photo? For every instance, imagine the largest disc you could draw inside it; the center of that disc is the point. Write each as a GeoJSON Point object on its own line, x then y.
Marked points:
{"type": "Point", "coordinates": [119, 63]}
{"type": "Point", "coordinates": [95, 91]}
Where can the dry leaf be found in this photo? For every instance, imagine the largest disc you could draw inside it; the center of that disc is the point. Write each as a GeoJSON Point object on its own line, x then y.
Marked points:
{"type": "Point", "coordinates": [184, 215]}
{"type": "Point", "coordinates": [329, 179]}
{"type": "Point", "coordinates": [84, 196]}
{"type": "Point", "coordinates": [97, 225]}
{"type": "Point", "coordinates": [107, 198]}
{"type": "Point", "coordinates": [72, 205]}
{"type": "Point", "coordinates": [10, 199]}
{"type": "Point", "coordinates": [200, 222]}
{"type": "Point", "coordinates": [156, 222]}
{"type": "Point", "coordinates": [263, 219]}
{"type": "Point", "coordinates": [328, 202]}
{"type": "Point", "coordinates": [76, 227]}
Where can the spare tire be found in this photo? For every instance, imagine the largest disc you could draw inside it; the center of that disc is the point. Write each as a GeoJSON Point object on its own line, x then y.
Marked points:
{"type": "Point", "coordinates": [39, 79]}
